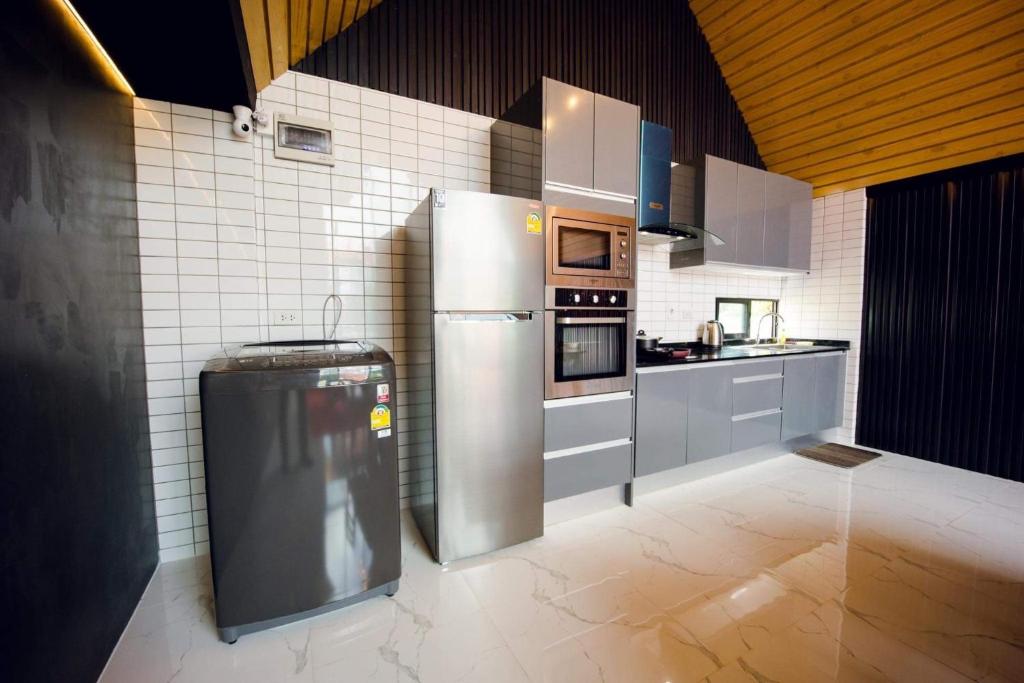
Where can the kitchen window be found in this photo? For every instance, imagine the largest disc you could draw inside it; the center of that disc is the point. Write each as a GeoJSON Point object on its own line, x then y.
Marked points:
{"type": "Point", "coordinates": [739, 317]}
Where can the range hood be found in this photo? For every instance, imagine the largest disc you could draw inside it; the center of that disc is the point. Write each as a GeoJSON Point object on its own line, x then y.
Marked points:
{"type": "Point", "coordinates": [660, 219]}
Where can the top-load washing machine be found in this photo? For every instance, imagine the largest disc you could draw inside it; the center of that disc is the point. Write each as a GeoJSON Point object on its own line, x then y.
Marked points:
{"type": "Point", "coordinates": [300, 443]}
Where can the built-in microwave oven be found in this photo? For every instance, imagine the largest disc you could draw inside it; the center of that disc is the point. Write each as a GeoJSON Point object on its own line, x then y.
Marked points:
{"type": "Point", "coordinates": [587, 249]}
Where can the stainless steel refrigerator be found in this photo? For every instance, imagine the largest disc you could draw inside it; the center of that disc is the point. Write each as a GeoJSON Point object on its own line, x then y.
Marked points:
{"type": "Point", "coordinates": [487, 337]}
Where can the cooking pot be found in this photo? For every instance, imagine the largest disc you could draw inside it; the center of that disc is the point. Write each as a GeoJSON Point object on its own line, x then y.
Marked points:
{"type": "Point", "coordinates": [645, 342]}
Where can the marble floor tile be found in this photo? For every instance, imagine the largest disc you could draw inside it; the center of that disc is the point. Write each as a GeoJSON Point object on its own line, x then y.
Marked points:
{"type": "Point", "coordinates": [785, 570]}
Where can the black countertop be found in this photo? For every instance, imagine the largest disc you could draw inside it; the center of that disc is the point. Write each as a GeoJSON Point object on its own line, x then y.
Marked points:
{"type": "Point", "coordinates": [738, 350]}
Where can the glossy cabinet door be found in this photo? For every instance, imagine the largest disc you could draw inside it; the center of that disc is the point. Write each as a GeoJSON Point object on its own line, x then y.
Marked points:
{"type": "Point", "coordinates": [778, 190]}
{"type": "Point", "coordinates": [661, 420]}
{"type": "Point", "coordinates": [617, 148]}
{"type": "Point", "coordinates": [709, 412]}
{"type": "Point", "coordinates": [720, 210]}
{"type": "Point", "coordinates": [750, 216]}
{"type": "Point", "coordinates": [800, 203]}
{"type": "Point", "coordinates": [830, 389]}
{"type": "Point", "coordinates": [568, 135]}
{"type": "Point", "coordinates": [799, 413]}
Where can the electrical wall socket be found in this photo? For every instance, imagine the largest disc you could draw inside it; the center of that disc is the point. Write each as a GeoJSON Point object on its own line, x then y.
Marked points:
{"type": "Point", "coordinates": [284, 318]}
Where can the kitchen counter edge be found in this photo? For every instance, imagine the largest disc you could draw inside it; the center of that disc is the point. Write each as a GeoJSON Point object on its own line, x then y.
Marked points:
{"type": "Point", "coordinates": [818, 346]}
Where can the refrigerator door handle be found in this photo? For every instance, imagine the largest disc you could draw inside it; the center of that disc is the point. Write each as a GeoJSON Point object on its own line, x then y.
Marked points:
{"type": "Point", "coordinates": [504, 317]}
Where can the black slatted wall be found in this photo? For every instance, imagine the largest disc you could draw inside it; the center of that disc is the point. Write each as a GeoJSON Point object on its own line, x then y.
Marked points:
{"type": "Point", "coordinates": [942, 369]}
{"type": "Point", "coordinates": [482, 56]}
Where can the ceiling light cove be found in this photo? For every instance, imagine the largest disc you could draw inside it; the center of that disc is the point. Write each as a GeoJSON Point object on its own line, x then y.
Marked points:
{"type": "Point", "coordinates": [88, 38]}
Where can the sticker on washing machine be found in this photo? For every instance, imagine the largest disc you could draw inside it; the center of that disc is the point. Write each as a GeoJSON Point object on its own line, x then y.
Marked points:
{"type": "Point", "coordinates": [383, 393]}
{"type": "Point", "coordinates": [384, 433]}
{"type": "Point", "coordinates": [380, 417]}
{"type": "Point", "coordinates": [533, 225]}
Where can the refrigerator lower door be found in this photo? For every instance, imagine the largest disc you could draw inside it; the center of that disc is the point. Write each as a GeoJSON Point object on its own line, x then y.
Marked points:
{"type": "Point", "coordinates": [489, 437]}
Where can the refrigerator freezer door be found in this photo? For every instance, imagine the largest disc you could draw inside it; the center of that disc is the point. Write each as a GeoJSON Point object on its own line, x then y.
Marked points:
{"type": "Point", "coordinates": [488, 252]}
{"type": "Point", "coordinates": [489, 386]}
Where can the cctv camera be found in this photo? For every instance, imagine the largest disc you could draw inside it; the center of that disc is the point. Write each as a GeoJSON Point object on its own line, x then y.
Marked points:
{"type": "Point", "coordinates": [242, 126]}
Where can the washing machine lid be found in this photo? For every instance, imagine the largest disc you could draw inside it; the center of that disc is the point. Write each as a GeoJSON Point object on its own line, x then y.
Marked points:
{"type": "Point", "coordinates": [298, 355]}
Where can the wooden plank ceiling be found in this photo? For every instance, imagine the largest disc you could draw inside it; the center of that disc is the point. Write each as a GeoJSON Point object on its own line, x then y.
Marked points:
{"type": "Point", "coordinates": [281, 33]}
{"type": "Point", "coordinates": [852, 93]}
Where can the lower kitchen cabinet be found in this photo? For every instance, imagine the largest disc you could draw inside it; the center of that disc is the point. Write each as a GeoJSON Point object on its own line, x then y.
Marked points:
{"type": "Point", "coordinates": [693, 413]}
{"type": "Point", "coordinates": [570, 475]}
{"type": "Point", "coordinates": [587, 443]}
{"type": "Point", "coordinates": [709, 412]}
{"type": "Point", "coordinates": [661, 419]}
{"type": "Point", "coordinates": [799, 415]}
{"type": "Point", "coordinates": [813, 393]}
{"type": "Point", "coordinates": [756, 430]}
{"type": "Point", "coordinates": [830, 389]}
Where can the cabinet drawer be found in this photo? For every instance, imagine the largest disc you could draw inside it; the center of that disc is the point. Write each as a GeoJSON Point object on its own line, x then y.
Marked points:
{"type": "Point", "coordinates": [575, 424]}
{"type": "Point", "coordinates": [570, 475]}
{"type": "Point", "coordinates": [755, 431]}
{"type": "Point", "coordinates": [757, 368]}
{"type": "Point", "coordinates": [754, 394]}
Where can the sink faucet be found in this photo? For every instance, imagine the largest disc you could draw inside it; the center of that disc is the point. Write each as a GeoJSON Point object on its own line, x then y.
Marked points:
{"type": "Point", "coordinates": [773, 314]}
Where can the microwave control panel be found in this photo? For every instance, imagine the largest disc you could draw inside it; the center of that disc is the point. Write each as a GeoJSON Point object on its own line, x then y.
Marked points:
{"type": "Point", "coordinates": [570, 297]}
{"type": "Point", "coordinates": [620, 253]}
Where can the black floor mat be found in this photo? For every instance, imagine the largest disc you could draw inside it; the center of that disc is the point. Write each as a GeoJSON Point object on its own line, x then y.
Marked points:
{"type": "Point", "coordinates": [838, 455]}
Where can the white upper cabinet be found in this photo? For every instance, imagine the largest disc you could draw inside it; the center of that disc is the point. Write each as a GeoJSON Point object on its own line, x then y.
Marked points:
{"type": "Point", "coordinates": [616, 146]}
{"type": "Point", "coordinates": [720, 209]}
{"type": "Point", "coordinates": [750, 215]}
{"type": "Point", "coordinates": [800, 203]}
{"type": "Point", "coordinates": [763, 218]}
{"type": "Point", "coordinates": [776, 220]}
{"type": "Point", "coordinates": [591, 142]}
{"type": "Point", "coordinates": [568, 135]}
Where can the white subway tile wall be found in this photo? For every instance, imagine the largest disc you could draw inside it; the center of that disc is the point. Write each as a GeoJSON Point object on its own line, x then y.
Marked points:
{"type": "Point", "coordinates": [229, 235]}
{"type": "Point", "coordinates": [828, 303]}
{"type": "Point", "coordinates": [675, 304]}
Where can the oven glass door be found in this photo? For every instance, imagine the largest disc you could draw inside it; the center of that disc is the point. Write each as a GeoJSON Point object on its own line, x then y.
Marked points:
{"type": "Point", "coordinates": [581, 248]}
{"type": "Point", "coordinates": [590, 345]}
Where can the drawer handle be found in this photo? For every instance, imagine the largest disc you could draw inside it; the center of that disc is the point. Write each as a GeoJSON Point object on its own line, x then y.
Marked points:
{"type": "Point", "coordinates": [551, 455]}
{"type": "Point", "coordinates": [760, 413]}
{"type": "Point", "coordinates": [756, 378]}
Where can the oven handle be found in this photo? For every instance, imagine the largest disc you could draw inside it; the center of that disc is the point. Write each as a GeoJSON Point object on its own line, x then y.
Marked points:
{"type": "Point", "coordinates": [590, 321]}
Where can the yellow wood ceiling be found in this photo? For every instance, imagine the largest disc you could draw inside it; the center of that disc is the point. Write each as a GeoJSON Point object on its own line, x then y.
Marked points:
{"type": "Point", "coordinates": [281, 33]}
{"type": "Point", "coordinates": [850, 93]}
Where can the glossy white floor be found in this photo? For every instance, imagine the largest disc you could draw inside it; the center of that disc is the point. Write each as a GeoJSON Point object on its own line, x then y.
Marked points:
{"type": "Point", "coordinates": [787, 570]}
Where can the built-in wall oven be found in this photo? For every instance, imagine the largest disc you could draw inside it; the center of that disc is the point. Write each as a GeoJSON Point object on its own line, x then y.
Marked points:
{"type": "Point", "coordinates": [590, 307]}
{"type": "Point", "coordinates": [589, 345]}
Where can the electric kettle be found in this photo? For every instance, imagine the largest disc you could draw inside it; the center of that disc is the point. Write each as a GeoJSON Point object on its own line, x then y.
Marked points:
{"type": "Point", "coordinates": [714, 333]}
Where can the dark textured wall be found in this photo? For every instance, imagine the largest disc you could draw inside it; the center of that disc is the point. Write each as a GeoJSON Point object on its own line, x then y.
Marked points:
{"type": "Point", "coordinates": [79, 536]}
{"type": "Point", "coordinates": [482, 56]}
{"type": "Point", "coordinates": [942, 364]}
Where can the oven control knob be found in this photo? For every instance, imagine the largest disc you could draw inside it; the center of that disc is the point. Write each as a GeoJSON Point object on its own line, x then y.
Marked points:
{"type": "Point", "coordinates": [612, 299]}
{"type": "Point", "coordinates": [622, 256]}
{"type": "Point", "coordinates": [576, 298]}
{"type": "Point", "coordinates": [595, 299]}
{"type": "Point", "coordinates": [622, 243]}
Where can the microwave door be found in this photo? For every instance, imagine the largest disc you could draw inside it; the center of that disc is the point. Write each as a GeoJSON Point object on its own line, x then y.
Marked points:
{"type": "Point", "coordinates": [584, 249]}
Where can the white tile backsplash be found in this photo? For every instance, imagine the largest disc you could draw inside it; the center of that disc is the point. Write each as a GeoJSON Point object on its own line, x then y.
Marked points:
{"type": "Point", "coordinates": [229, 234]}
{"type": "Point", "coordinates": [675, 304]}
